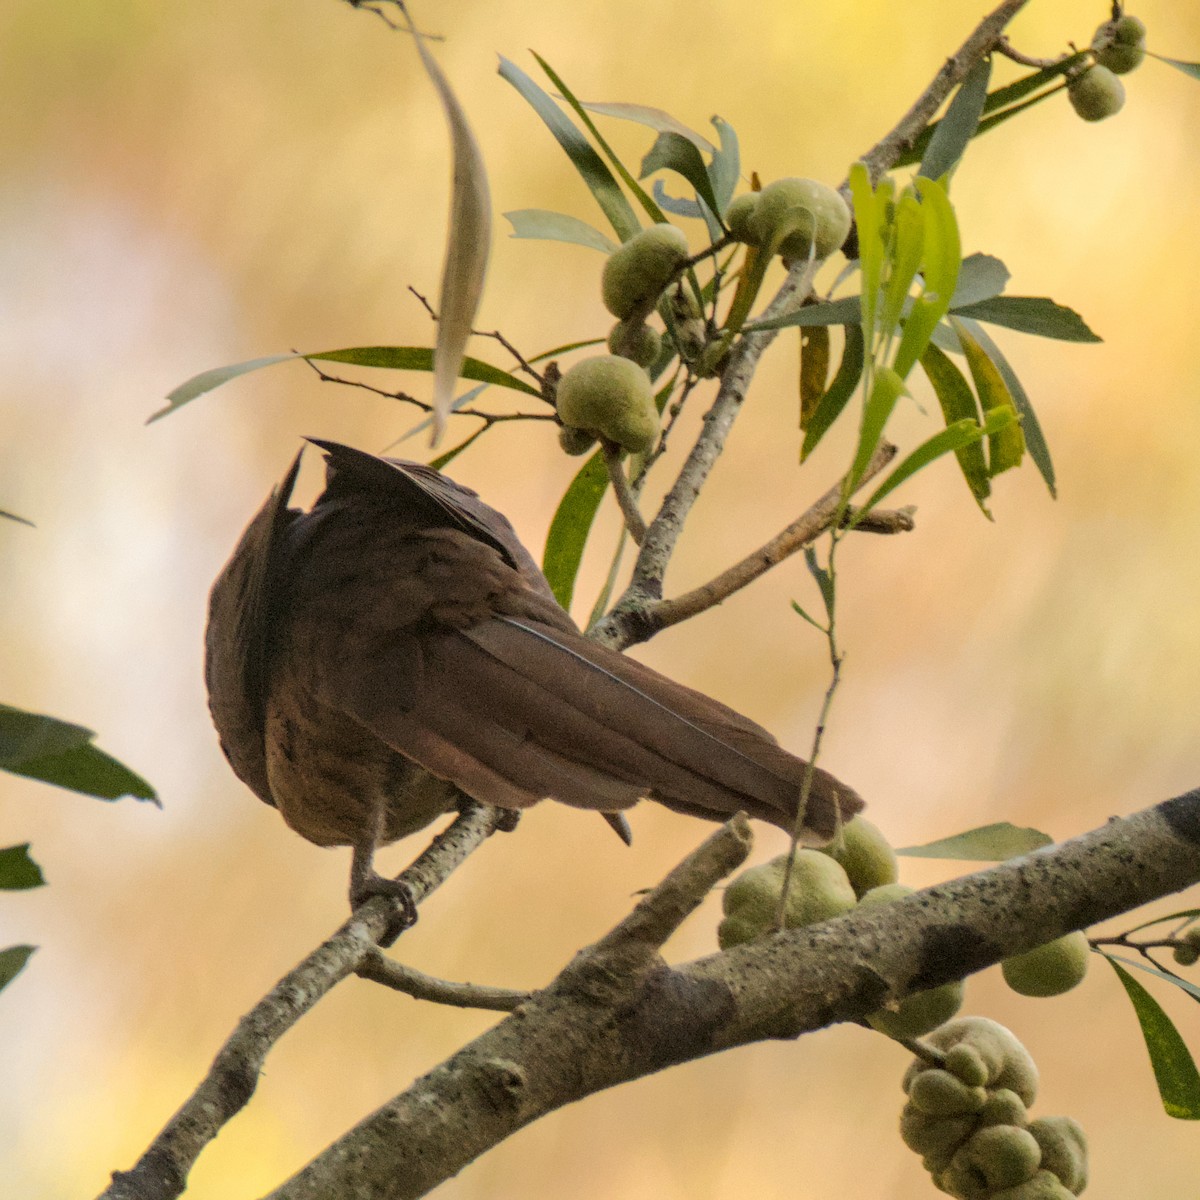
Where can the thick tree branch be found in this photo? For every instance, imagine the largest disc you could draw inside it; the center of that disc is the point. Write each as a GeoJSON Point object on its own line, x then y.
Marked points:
{"type": "Point", "coordinates": [161, 1173]}
{"type": "Point", "coordinates": [606, 1020]}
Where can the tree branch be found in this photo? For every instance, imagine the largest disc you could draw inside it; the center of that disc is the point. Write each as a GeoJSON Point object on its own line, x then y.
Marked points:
{"type": "Point", "coordinates": [378, 968]}
{"type": "Point", "coordinates": [608, 1020]}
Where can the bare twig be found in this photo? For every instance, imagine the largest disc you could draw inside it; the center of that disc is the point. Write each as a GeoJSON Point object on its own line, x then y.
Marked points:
{"type": "Point", "coordinates": [626, 500]}
{"type": "Point", "coordinates": [161, 1173]}
{"type": "Point", "coordinates": [1005, 47]}
{"type": "Point", "coordinates": [378, 968]}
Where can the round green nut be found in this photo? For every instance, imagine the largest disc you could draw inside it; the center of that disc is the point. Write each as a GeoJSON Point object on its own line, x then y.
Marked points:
{"type": "Point", "coordinates": [1043, 1186]}
{"type": "Point", "coordinates": [932, 1136]}
{"type": "Point", "coordinates": [610, 397]}
{"type": "Point", "coordinates": [1120, 45]}
{"type": "Point", "coordinates": [1187, 951]}
{"type": "Point", "coordinates": [865, 854]}
{"type": "Point", "coordinates": [1049, 970]}
{"type": "Point", "coordinates": [736, 931]}
{"type": "Point", "coordinates": [921, 1012]}
{"type": "Point", "coordinates": [637, 272]}
{"type": "Point", "coordinates": [1096, 94]}
{"type": "Point", "coordinates": [1004, 1154]}
{"type": "Point", "coordinates": [575, 441]}
{"type": "Point", "coordinates": [1003, 1107]}
{"type": "Point", "coordinates": [1064, 1150]}
{"type": "Point", "coordinates": [940, 1094]}
{"type": "Point", "coordinates": [637, 341]}
{"type": "Point", "coordinates": [818, 216]}
{"type": "Point", "coordinates": [1009, 1064]}
{"type": "Point", "coordinates": [966, 1063]}
{"type": "Point", "coordinates": [738, 216]}
{"type": "Point", "coordinates": [818, 890]}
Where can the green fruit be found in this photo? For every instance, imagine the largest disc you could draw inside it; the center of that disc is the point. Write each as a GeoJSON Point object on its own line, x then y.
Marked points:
{"type": "Point", "coordinates": [1096, 94]}
{"type": "Point", "coordinates": [1120, 45]}
{"type": "Point", "coordinates": [637, 272]}
{"type": "Point", "coordinates": [941, 1094]}
{"type": "Point", "coordinates": [610, 397]}
{"type": "Point", "coordinates": [865, 854]}
{"type": "Point", "coordinates": [966, 1063]}
{"type": "Point", "coordinates": [928, 1135]}
{"type": "Point", "coordinates": [818, 890]}
{"type": "Point", "coordinates": [639, 342]}
{"type": "Point", "coordinates": [1043, 1186]}
{"type": "Point", "coordinates": [1004, 1154]}
{"type": "Point", "coordinates": [738, 215]}
{"type": "Point", "coordinates": [962, 1178]}
{"type": "Point", "coordinates": [818, 217]}
{"type": "Point", "coordinates": [885, 894]}
{"type": "Point", "coordinates": [916, 1015]}
{"type": "Point", "coordinates": [1008, 1063]}
{"type": "Point", "coordinates": [1003, 1107]}
{"type": "Point", "coordinates": [1051, 969]}
{"type": "Point", "coordinates": [735, 931]}
{"type": "Point", "coordinates": [1064, 1150]}
{"type": "Point", "coordinates": [685, 320]}
{"type": "Point", "coordinates": [575, 441]}
{"type": "Point", "coordinates": [1187, 952]}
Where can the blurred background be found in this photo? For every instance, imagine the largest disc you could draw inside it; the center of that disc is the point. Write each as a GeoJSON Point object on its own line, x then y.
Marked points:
{"type": "Point", "coordinates": [191, 185]}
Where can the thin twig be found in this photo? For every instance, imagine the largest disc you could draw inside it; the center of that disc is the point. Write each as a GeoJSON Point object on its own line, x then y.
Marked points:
{"type": "Point", "coordinates": [621, 490]}
{"type": "Point", "coordinates": [1005, 47]}
{"type": "Point", "coordinates": [378, 968]}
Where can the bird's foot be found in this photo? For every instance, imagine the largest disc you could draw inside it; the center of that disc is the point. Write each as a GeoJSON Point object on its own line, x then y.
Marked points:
{"type": "Point", "coordinates": [366, 883]}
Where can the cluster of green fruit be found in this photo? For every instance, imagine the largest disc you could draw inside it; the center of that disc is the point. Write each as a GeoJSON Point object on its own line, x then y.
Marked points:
{"type": "Point", "coordinates": [1119, 45]}
{"type": "Point", "coordinates": [609, 395]}
{"type": "Point", "coordinates": [968, 1118]}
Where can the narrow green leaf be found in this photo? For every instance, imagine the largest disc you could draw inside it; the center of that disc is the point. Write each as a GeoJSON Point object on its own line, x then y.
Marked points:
{"type": "Point", "coordinates": [814, 370]}
{"type": "Point", "coordinates": [17, 870]}
{"type": "Point", "coordinates": [988, 843]}
{"type": "Point", "coordinates": [958, 403]}
{"type": "Point", "coordinates": [652, 210]}
{"type": "Point", "coordinates": [870, 207]}
{"type": "Point", "coordinates": [887, 389]}
{"type": "Point", "coordinates": [1174, 1070]}
{"type": "Point", "coordinates": [206, 381]}
{"type": "Point", "coordinates": [980, 277]}
{"type": "Point", "coordinates": [19, 520]}
{"type": "Point", "coordinates": [1184, 985]}
{"type": "Point", "coordinates": [450, 455]}
{"type": "Point", "coordinates": [558, 227]}
{"type": "Point", "coordinates": [654, 118]}
{"type": "Point", "coordinates": [1006, 448]}
{"type": "Point", "coordinates": [830, 406]}
{"type": "Point", "coordinates": [673, 152]}
{"type": "Point", "coordinates": [588, 163]}
{"type": "Point", "coordinates": [1031, 429]}
{"type": "Point", "coordinates": [1191, 69]}
{"type": "Point", "coordinates": [908, 242]}
{"type": "Point", "coordinates": [12, 961]}
{"type": "Point", "coordinates": [951, 439]}
{"type": "Point", "coordinates": [1037, 315]}
{"type": "Point", "coordinates": [1187, 914]}
{"type": "Point", "coordinates": [569, 529]}
{"type": "Point", "coordinates": [725, 169]}
{"type": "Point", "coordinates": [87, 770]}
{"type": "Point", "coordinates": [25, 735]}
{"type": "Point", "coordinates": [468, 239]}
{"type": "Point", "coordinates": [824, 580]}
{"type": "Point", "coordinates": [955, 130]}
{"type": "Point", "coordinates": [610, 580]}
{"type": "Point", "coordinates": [847, 311]}
{"type": "Point", "coordinates": [800, 612]}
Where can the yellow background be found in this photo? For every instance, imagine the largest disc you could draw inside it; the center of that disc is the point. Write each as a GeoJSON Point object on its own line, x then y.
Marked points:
{"type": "Point", "coordinates": [183, 186]}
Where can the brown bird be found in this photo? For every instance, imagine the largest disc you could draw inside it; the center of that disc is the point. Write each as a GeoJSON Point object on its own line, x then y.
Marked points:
{"type": "Point", "coordinates": [396, 643]}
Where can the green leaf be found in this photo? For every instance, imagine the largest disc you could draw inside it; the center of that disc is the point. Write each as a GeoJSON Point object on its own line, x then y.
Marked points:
{"type": "Point", "coordinates": [824, 583]}
{"type": "Point", "coordinates": [569, 529]}
{"type": "Point", "coordinates": [1031, 429]}
{"type": "Point", "coordinates": [392, 358]}
{"type": "Point", "coordinates": [450, 455]}
{"type": "Point", "coordinates": [725, 169]}
{"type": "Point", "coordinates": [610, 580]}
{"type": "Point", "coordinates": [26, 735]}
{"type": "Point", "coordinates": [558, 227]}
{"type": "Point", "coordinates": [1184, 985]}
{"type": "Point", "coordinates": [955, 130]}
{"type": "Point", "coordinates": [468, 239]}
{"type": "Point", "coordinates": [19, 520]}
{"type": "Point", "coordinates": [673, 152]}
{"type": "Point", "coordinates": [654, 118]}
{"type": "Point", "coordinates": [652, 209]}
{"type": "Point", "coordinates": [988, 843]}
{"type": "Point", "coordinates": [887, 389]}
{"type": "Point", "coordinates": [908, 241]}
{"type": "Point", "coordinates": [12, 961]}
{"type": "Point", "coordinates": [1174, 1070]}
{"type": "Point", "coordinates": [1190, 69]}
{"type": "Point", "coordinates": [814, 370]}
{"type": "Point", "coordinates": [800, 612]}
{"type": "Point", "coordinates": [958, 403]}
{"type": "Point", "coordinates": [952, 438]}
{"type": "Point", "coordinates": [1007, 447]}
{"type": "Point", "coordinates": [870, 217]}
{"type": "Point", "coordinates": [1187, 914]}
{"type": "Point", "coordinates": [1037, 315]}
{"type": "Point", "coordinates": [980, 277]}
{"type": "Point", "coordinates": [830, 406]}
{"type": "Point", "coordinates": [847, 311]}
{"type": "Point", "coordinates": [588, 163]}
{"type": "Point", "coordinates": [17, 870]}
